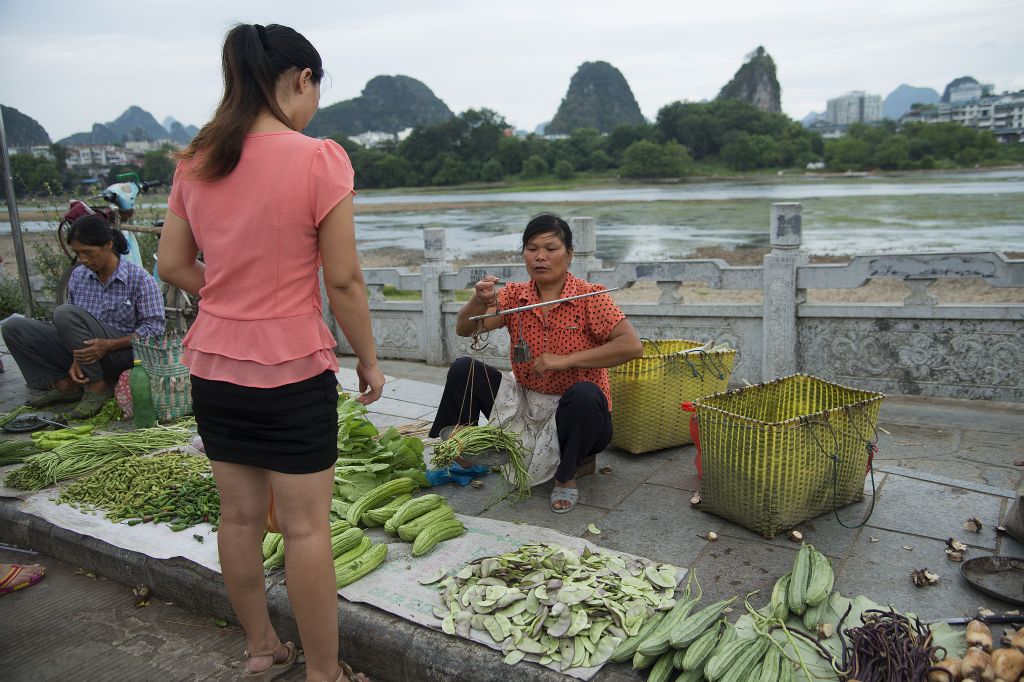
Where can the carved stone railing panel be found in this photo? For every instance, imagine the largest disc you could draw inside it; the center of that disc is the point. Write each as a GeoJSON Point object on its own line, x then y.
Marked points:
{"type": "Point", "coordinates": [995, 268]}
{"type": "Point", "coordinates": [716, 273]}
{"type": "Point", "coordinates": [399, 278]}
{"type": "Point", "coordinates": [979, 359]}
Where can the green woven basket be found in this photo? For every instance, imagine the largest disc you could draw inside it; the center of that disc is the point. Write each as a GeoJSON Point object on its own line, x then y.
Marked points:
{"type": "Point", "coordinates": [647, 392]}
{"type": "Point", "coordinates": [169, 381]}
{"type": "Point", "coordinates": [779, 453]}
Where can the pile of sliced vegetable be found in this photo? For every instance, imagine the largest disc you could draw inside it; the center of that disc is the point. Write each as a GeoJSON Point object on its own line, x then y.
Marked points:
{"type": "Point", "coordinates": [549, 604]}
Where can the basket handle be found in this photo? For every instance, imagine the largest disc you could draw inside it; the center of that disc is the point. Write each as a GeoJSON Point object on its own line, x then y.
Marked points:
{"type": "Point", "coordinates": [657, 349]}
{"type": "Point", "coordinates": [834, 457]}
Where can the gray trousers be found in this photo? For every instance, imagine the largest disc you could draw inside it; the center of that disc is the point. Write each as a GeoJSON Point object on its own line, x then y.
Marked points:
{"type": "Point", "coordinates": [43, 349]}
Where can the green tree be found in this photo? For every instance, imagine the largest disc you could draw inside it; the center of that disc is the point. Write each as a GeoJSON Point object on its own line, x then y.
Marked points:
{"type": "Point", "coordinates": [491, 171]}
{"type": "Point", "coordinates": [453, 171]}
{"type": "Point", "coordinates": [739, 152]}
{"type": "Point", "coordinates": [511, 153]}
{"type": "Point", "coordinates": [158, 166]}
{"type": "Point", "coordinates": [645, 159]}
{"type": "Point", "coordinates": [34, 175]}
{"type": "Point", "coordinates": [893, 153]}
{"type": "Point", "coordinates": [564, 170]}
{"type": "Point", "coordinates": [534, 167]}
{"type": "Point", "coordinates": [599, 160]}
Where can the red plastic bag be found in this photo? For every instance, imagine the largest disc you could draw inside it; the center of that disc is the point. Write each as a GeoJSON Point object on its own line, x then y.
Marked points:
{"type": "Point", "coordinates": [123, 394]}
{"type": "Point", "coordinates": [688, 406]}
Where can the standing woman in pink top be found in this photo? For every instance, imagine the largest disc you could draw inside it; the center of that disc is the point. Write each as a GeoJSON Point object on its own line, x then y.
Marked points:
{"type": "Point", "coordinates": [267, 206]}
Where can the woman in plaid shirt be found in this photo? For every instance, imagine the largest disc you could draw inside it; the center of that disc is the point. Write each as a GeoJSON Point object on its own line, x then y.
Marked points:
{"type": "Point", "coordinates": [88, 344]}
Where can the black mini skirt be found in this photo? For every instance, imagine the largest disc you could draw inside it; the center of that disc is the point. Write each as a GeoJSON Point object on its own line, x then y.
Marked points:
{"type": "Point", "coordinates": [292, 429]}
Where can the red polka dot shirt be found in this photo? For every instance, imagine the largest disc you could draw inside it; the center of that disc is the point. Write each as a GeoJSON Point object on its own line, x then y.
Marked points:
{"type": "Point", "coordinates": [559, 329]}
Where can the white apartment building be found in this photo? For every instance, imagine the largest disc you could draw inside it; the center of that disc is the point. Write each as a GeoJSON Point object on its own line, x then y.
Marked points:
{"type": "Point", "coordinates": [854, 107]}
{"type": "Point", "coordinates": [1002, 115]}
{"type": "Point", "coordinates": [96, 159]}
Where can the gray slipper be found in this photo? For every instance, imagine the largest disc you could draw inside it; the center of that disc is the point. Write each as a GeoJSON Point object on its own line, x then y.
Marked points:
{"type": "Point", "coordinates": [570, 495]}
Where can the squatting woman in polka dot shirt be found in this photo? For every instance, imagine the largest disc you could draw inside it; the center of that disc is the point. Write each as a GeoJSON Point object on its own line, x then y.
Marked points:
{"type": "Point", "coordinates": [560, 350]}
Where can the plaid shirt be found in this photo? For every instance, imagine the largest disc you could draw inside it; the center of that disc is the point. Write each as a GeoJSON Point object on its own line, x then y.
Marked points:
{"type": "Point", "coordinates": [130, 301]}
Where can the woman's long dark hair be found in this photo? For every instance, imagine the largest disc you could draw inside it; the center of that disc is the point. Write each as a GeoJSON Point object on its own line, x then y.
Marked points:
{"type": "Point", "coordinates": [94, 230]}
{"type": "Point", "coordinates": [254, 58]}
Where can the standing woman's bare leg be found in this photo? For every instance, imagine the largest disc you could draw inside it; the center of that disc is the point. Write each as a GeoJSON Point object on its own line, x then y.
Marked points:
{"type": "Point", "coordinates": [244, 498]}
{"type": "Point", "coordinates": [302, 504]}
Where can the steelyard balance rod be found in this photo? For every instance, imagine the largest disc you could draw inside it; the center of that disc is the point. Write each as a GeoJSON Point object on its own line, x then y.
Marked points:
{"type": "Point", "coordinates": [509, 311]}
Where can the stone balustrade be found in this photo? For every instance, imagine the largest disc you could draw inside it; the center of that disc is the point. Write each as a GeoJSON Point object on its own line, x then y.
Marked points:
{"type": "Point", "coordinates": [918, 346]}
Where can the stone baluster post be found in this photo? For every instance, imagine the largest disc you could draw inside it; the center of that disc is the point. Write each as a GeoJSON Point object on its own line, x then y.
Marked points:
{"type": "Point", "coordinates": [584, 241]}
{"type": "Point", "coordinates": [778, 327]}
{"type": "Point", "coordinates": [435, 264]}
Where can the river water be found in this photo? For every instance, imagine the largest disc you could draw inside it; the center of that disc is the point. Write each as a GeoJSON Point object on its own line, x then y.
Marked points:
{"type": "Point", "coordinates": [973, 211]}
{"type": "Point", "coordinates": [967, 211]}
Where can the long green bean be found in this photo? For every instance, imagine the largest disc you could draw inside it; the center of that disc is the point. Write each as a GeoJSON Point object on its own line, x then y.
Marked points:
{"type": "Point", "coordinates": [7, 417]}
{"type": "Point", "coordinates": [16, 450]}
{"type": "Point", "coordinates": [467, 441]}
{"type": "Point", "coordinates": [79, 457]}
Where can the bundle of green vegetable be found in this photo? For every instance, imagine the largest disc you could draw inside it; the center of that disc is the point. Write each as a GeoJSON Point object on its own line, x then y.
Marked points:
{"type": "Point", "coordinates": [14, 450]}
{"type": "Point", "coordinates": [548, 604]}
{"type": "Point", "coordinates": [51, 440]}
{"type": "Point", "coordinates": [7, 417]}
{"type": "Point", "coordinates": [110, 412]}
{"type": "Point", "coordinates": [467, 441]}
{"type": "Point", "coordinates": [137, 487]}
{"type": "Point", "coordinates": [355, 555]}
{"type": "Point", "coordinates": [368, 458]}
{"type": "Point", "coordinates": [79, 457]}
{"type": "Point", "coordinates": [793, 637]}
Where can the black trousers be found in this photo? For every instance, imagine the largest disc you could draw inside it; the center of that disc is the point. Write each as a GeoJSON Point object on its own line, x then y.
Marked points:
{"type": "Point", "coordinates": [582, 419]}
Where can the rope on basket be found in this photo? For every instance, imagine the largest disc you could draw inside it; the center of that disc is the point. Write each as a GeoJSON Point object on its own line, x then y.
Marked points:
{"type": "Point", "coordinates": [834, 457]}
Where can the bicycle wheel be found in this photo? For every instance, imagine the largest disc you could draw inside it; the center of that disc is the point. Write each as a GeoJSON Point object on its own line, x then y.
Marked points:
{"type": "Point", "coordinates": [61, 295]}
{"type": "Point", "coordinates": [180, 308]}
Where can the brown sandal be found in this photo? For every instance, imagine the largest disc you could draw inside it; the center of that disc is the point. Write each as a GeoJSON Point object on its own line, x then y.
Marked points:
{"type": "Point", "coordinates": [346, 673]}
{"type": "Point", "coordinates": [277, 668]}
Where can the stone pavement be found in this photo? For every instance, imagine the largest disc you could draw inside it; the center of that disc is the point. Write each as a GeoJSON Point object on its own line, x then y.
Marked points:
{"type": "Point", "coordinates": [940, 462]}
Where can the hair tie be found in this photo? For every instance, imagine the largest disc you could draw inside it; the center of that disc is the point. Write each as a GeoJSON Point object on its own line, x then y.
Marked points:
{"type": "Point", "coordinates": [262, 33]}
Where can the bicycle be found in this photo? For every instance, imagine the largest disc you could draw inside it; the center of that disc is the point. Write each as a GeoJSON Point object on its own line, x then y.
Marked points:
{"type": "Point", "coordinates": [180, 307]}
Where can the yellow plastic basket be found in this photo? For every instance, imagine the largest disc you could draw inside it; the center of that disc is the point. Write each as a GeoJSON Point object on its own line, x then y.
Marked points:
{"type": "Point", "coordinates": [646, 392]}
{"type": "Point", "coordinates": [779, 453]}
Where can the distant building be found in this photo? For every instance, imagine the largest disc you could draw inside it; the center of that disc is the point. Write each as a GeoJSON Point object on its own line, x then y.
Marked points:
{"type": "Point", "coordinates": [96, 159]}
{"type": "Point", "coordinates": [140, 147]}
{"type": "Point", "coordinates": [1002, 115]}
{"type": "Point", "coordinates": [375, 138]}
{"type": "Point", "coordinates": [854, 107]}
{"type": "Point", "coordinates": [969, 91]}
{"type": "Point", "coordinates": [43, 151]}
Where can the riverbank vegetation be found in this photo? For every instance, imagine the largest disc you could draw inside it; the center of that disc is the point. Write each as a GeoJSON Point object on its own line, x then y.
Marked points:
{"type": "Point", "coordinates": [722, 138]}
{"type": "Point", "coordinates": [719, 138]}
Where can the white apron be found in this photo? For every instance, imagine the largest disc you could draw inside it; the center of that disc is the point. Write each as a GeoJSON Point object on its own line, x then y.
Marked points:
{"type": "Point", "coordinates": [532, 416]}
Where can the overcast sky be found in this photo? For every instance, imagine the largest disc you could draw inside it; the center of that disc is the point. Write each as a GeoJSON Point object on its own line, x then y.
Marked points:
{"type": "Point", "coordinates": [70, 64]}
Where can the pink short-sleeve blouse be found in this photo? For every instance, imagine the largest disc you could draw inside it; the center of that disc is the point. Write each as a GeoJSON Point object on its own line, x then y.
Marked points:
{"type": "Point", "coordinates": [260, 320]}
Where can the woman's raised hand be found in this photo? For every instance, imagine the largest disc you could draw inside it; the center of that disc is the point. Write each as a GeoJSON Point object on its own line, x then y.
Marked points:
{"type": "Point", "coordinates": [486, 294]}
